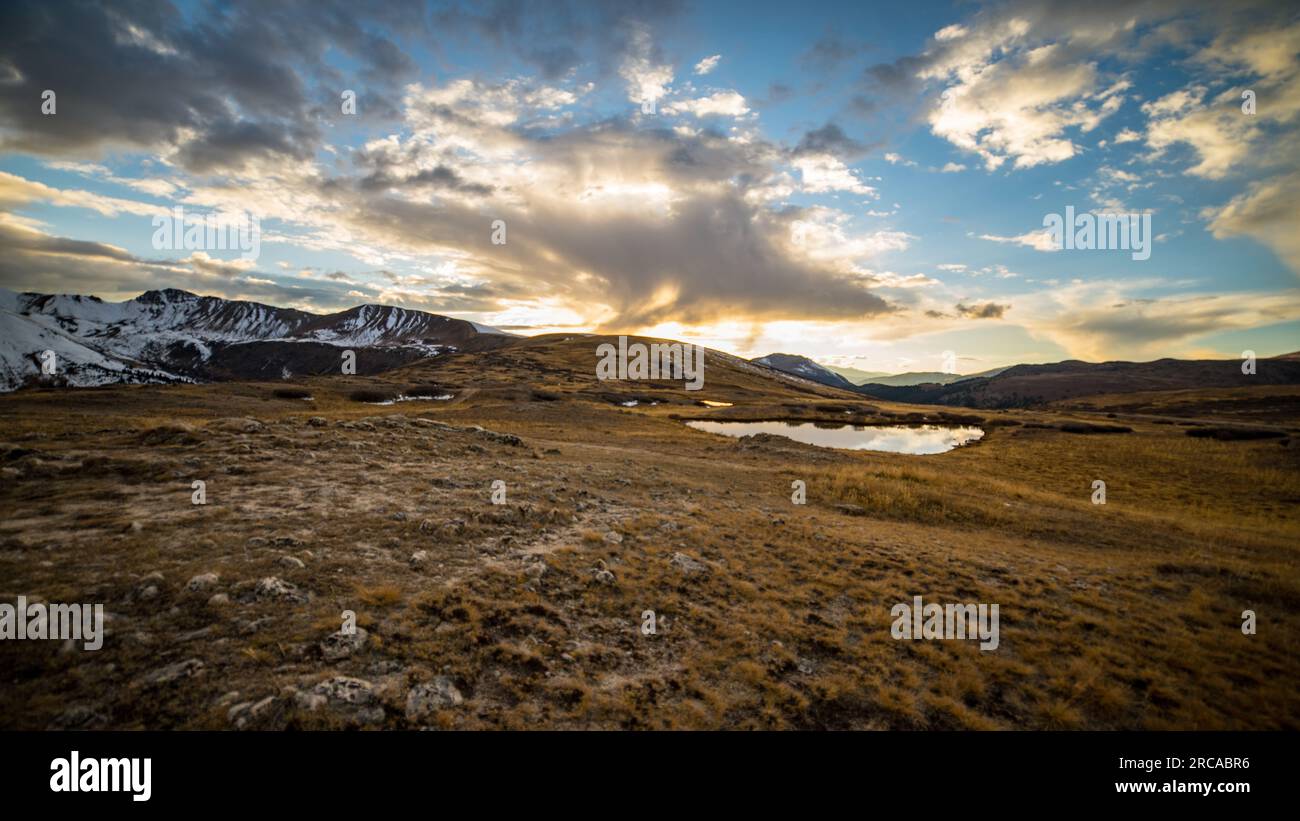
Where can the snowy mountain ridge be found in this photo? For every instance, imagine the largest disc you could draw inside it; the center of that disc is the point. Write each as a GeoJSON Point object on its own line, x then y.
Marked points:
{"type": "Point", "coordinates": [172, 335]}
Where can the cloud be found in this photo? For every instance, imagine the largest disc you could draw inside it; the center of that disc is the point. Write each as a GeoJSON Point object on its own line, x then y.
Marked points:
{"type": "Point", "coordinates": [722, 103]}
{"type": "Point", "coordinates": [236, 83]}
{"type": "Point", "coordinates": [987, 310]}
{"type": "Point", "coordinates": [1219, 134]}
{"type": "Point", "coordinates": [1268, 211]}
{"type": "Point", "coordinates": [615, 219]}
{"type": "Point", "coordinates": [1038, 240]}
{"type": "Point", "coordinates": [1105, 320]}
{"type": "Point", "coordinates": [823, 234]}
{"type": "Point", "coordinates": [829, 139]}
{"type": "Point", "coordinates": [633, 224]}
{"type": "Point", "coordinates": [556, 37]}
{"type": "Point", "coordinates": [1213, 125]}
{"type": "Point", "coordinates": [1018, 83]}
{"type": "Point", "coordinates": [823, 172]}
{"type": "Point", "coordinates": [203, 263]}
{"type": "Point", "coordinates": [646, 76]}
{"type": "Point", "coordinates": [829, 51]}
{"type": "Point", "coordinates": [1021, 108]}
{"type": "Point", "coordinates": [707, 64]}
{"type": "Point", "coordinates": [17, 191]}
{"type": "Point", "coordinates": [40, 262]}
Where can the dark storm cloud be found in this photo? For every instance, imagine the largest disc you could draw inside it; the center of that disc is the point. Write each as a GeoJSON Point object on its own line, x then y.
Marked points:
{"type": "Point", "coordinates": [829, 139]}
{"type": "Point", "coordinates": [830, 51]}
{"type": "Point", "coordinates": [989, 310]}
{"type": "Point", "coordinates": [898, 76]}
{"type": "Point", "coordinates": [15, 240]}
{"type": "Point", "coordinates": [243, 84]}
{"type": "Point", "coordinates": [534, 31]}
{"type": "Point", "coordinates": [230, 145]}
{"type": "Point", "coordinates": [234, 83]}
{"type": "Point", "coordinates": [439, 177]}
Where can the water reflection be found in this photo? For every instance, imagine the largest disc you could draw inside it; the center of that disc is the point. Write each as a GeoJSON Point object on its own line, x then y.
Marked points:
{"type": "Point", "coordinates": [922, 439]}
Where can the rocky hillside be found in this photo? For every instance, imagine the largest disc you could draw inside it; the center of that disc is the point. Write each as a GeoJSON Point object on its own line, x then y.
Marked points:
{"type": "Point", "coordinates": [176, 336]}
{"type": "Point", "coordinates": [1032, 385]}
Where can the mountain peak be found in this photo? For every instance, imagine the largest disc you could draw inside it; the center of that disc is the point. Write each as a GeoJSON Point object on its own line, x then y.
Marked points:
{"type": "Point", "coordinates": [172, 335]}
{"type": "Point", "coordinates": [802, 366]}
{"type": "Point", "coordinates": [166, 295]}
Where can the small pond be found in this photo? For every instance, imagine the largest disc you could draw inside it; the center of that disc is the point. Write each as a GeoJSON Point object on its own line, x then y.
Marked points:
{"type": "Point", "coordinates": [919, 439]}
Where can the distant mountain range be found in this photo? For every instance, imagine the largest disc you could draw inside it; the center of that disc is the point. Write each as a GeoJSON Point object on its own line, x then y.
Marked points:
{"type": "Point", "coordinates": [856, 376]}
{"type": "Point", "coordinates": [176, 336]}
{"type": "Point", "coordinates": [852, 378]}
{"type": "Point", "coordinates": [1026, 385]}
{"type": "Point", "coordinates": [922, 377]}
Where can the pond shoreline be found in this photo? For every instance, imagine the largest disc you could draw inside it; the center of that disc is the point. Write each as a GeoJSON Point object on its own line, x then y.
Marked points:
{"type": "Point", "coordinates": [921, 439]}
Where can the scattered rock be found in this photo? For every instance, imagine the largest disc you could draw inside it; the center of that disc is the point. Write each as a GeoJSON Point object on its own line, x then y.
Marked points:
{"type": "Point", "coordinates": [502, 438]}
{"type": "Point", "coordinates": [340, 645]}
{"type": "Point", "coordinates": [317, 421]}
{"type": "Point", "coordinates": [202, 582]}
{"type": "Point", "coordinates": [851, 510]}
{"type": "Point", "coordinates": [688, 565]}
{"type": "Point", "coordinates": [605, 577]}
{"type": "Point", "coordinates": [346, 690]}
{"type": "Point", "coordinates": [292, 561]}
{"type": "Point", "coordinates": [173, 672]}
{"type": "Point", "coordinates": [219, 600]}
{"type": "Point", "coordinates": [275, 588]}
{"type": "Point", "coordinates": [79, 717]}
{"type": "Point", "coordinates": [241, 714]}
{"type": "Point", "coordinates": [425, 699]}
{"type": "Point", "coordinates": [613, 537]}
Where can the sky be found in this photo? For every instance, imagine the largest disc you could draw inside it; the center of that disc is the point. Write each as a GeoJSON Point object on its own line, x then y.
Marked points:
{"type": "Point", "coordinates": [862, 183]}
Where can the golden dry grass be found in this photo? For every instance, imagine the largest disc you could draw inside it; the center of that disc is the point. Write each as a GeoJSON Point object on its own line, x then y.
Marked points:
{"type": "Point", "coordinates": [1125, 615]}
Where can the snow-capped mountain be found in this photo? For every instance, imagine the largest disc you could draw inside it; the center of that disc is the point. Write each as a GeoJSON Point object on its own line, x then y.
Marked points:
{"type": "Point", "coordinates": [176, 336]}
{"type": "Point", "coordinates": [805, 367]}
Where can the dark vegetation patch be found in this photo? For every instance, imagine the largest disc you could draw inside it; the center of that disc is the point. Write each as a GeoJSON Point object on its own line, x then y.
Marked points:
{"type": "Point", "coordinates": [1089, 427]}
{"type": "Point", "coordinates": [371, 395]}
{"type": "Point", "coordinates": [426, 390]}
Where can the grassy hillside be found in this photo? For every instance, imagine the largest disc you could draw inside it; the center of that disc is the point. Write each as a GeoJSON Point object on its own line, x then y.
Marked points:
{"type": "Point", "coordinates": [769, 614]}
